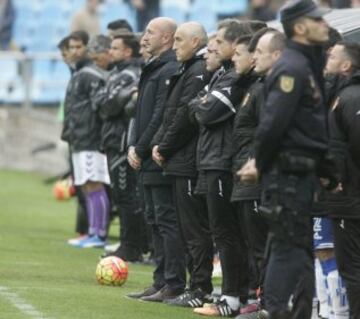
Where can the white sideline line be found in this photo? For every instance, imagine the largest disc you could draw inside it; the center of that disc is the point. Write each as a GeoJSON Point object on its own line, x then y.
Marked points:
{"type": "Point", "coordinates": [20, 303]}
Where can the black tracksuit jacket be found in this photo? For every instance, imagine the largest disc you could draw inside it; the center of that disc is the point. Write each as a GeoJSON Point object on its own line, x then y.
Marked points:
{"type": "Point", "coordinates": [215, 114]}
{"type": "Point", "coordinates": [344, 129]}
{"type": "Point", "coordinates": [177, 137]}
{"type": "Point", "coordinates": [246, 121]}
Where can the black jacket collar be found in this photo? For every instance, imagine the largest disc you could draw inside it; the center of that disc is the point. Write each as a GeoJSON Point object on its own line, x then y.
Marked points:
{"type": "Point", "coordinates": [163, 58]}
{"type": "Point", "coordinates": [316, 56]}
{"type": "Point", "coordinates": [82, 63]}
{"type": "Point", "coordinates": [227, 64]}
{"type": "Point", "coordinates": [354, 78]}
{"type": "Point", "coordinates": [199, 55]}
{"type": "Point", "coordinates": [121, 65]}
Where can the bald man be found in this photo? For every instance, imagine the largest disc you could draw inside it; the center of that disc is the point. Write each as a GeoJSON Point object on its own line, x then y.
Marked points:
{"type": "Point", "coordinates": [175, 150]}
{"type": "Point", "coordinates": [169, 274]}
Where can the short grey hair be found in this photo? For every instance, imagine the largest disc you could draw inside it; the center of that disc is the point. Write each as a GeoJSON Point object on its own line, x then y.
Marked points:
{"type": "Point", "coordinates": [99, 44]}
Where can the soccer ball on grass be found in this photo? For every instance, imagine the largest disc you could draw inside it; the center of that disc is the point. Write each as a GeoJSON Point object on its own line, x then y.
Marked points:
{"type": "Point", "coordinates": [112, 271]}
{"type": "Point", "coordinates": [64, 189]}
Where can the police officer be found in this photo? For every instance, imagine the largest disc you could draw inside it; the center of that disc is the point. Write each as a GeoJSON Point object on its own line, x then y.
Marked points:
{"type": "Point", "coordinates": [290, 143]}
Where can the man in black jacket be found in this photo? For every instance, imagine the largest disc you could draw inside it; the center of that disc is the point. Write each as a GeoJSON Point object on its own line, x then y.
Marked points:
{"type": "Point", "coordinates": [113, 100]}
{"type": "Point", "coordinates": [175, 150]}
{"type": "Point", "coordinates": [344, 127]}
{"type": "Point", "coordinates": [82, 131]}
{"type": "Point", "coordinates": [81, 226]}
{"type": "Point", "coordinates": [169, 274]}
{"type": "Point", "coordinates": [215, 115]}
{"type": "Point", "coordinates": [266, 47]}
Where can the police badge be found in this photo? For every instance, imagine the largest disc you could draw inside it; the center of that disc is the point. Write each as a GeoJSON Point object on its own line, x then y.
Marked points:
{"type": "Point", "coordinates": [287, 83]}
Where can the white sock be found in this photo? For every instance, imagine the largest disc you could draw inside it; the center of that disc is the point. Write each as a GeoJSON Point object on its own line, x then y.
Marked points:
{"type": "Point", "coordinates": [321, 290]}
{"type": "Point", "coordinates": [337, 294]}
{"type": "Point", "coordinates": [232, 301]}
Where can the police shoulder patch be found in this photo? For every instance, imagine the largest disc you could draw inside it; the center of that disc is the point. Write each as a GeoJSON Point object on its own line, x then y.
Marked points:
{"type": "Point", "coordinates": [287, 83]}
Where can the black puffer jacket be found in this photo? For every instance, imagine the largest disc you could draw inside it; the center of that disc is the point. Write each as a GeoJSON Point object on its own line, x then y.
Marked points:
{"type": "Point", "coordinates": [344, 126]}
{"type": "Point", "coordinates": [112, 100]}
{"type": "Point", "coordinates": [177, 137]}
{"type": "Point", "coordinates": [82, 129]}
{"type": "Point", "coordinates": [215, 115]}
{"type": "Point", "coordinates": [245, 123]}
{"type": "Point", "coordinates": [150, 108]}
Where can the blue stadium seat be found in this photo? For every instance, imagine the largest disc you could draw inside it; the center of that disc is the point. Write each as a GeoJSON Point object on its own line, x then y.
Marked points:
{"type": "Point", "coordinates": [51, 14]}
{"type": "Point", "coordinates": [9, 69]}
{"type": "Point", "coordinates": [174, 12]}
{"type": "Point", "coordinates": [230, 7]}
{"type": "Point", "coordinates": [47, 92]}
{"type": "Point", "coordinates": [42, 70]}
{"type": "Point", "coordinates": [200, 4]}
{"type": "Point", "coordinates": [14, 93]}
{"type": "Point", "coordinates": [61, 71]}
{"type": "Point", "coordinates": [206, 17]}
{"type": "Point", "coordinates": [117, 11]}
{"type": "Point", "coordinates": [50, 78]}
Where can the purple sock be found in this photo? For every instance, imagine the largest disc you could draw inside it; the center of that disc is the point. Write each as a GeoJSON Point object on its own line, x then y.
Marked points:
{"type": "Point", "coordinates": [101, 207]}
{"type": "Point", "coordinates": [90, 208]}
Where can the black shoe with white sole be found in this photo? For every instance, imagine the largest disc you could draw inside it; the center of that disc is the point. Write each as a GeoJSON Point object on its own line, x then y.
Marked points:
{"type": "Point", "coordinates": [192, 299]}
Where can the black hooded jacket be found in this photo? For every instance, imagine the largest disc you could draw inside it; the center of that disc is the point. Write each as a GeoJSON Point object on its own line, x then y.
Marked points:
{"type": "Point", "coordinates": [177, 137]}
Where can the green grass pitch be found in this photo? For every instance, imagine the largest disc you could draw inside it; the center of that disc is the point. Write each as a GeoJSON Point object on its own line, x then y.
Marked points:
{"type": "Point", "coordinates": [43, 277]}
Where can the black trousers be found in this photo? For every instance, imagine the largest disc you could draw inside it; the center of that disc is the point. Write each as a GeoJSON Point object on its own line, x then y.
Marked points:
{"type": "Point", "coordinates": [125, 197]}
{"type": "Point", "coordinates": [347, 252]}
{"type": "Point", "coordinates": [287, 200]}
{"type": "Point", "coordinates": [82, 224]}
{"type": "Point", "coordinates": [168, 249]}
{"type": "Point", "coordinates": [195, 230]}
{"type": "Point", "coordinates": [227, 235]}
{"type": "Point", "coordinates": [255, 230]}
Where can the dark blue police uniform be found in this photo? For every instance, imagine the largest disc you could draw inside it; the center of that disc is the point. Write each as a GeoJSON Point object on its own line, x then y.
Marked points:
{"type": "Point", "coordinates": [290, 142]}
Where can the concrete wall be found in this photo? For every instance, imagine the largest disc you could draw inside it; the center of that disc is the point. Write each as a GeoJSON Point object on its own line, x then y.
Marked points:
{"type": "Point", "coordinates": [22, 131]}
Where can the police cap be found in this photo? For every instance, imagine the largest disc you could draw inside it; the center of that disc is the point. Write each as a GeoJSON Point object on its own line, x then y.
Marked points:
{"type": "Point", "coordinates": [301, 8]}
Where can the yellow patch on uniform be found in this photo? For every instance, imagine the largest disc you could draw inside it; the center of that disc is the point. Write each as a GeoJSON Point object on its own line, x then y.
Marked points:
{"type": "Point", "coordinates": [335, 104]}
{"type": "Point", "coordinates": [287, 83]}
{"type": "Point", "coordinates": [245, 100]}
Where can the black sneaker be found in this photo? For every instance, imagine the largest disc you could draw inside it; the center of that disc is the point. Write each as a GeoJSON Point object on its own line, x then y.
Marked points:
{"type": "Point", "coordinates": [147, 292]}
{"type": "Point", "coordinates": [218, 309]}
{"type": "Point", "coordinates": [192, 299]}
